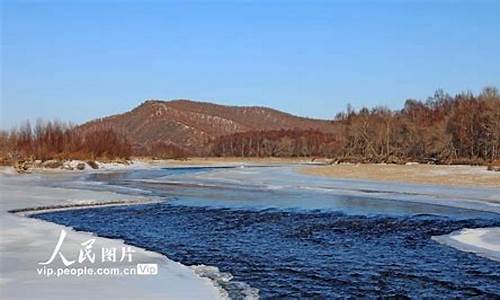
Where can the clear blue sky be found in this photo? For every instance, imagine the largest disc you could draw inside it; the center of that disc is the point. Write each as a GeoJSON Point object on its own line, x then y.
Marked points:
{"type": "Point", "coordinates": [80, 60]}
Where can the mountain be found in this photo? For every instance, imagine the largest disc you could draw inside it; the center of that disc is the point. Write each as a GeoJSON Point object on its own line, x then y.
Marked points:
{"type": "Point", "coordinates": [191, 125]}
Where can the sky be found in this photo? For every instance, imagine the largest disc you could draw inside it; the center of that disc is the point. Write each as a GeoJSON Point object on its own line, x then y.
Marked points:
{"type": "Point", "coordinates": [78, 60]}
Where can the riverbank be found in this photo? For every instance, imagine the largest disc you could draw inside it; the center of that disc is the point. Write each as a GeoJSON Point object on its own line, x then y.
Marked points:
{"type": "Point", "coordinates": [230, 161]}
{"type": "Point", "coordinates": [250, 221]}
{"type": "Point", "coordinates": [26, 242]}
{"type": "Point", "coordinates": [175, 280]}
{"type": "Point", "coordinates": [483, 241]}
{"type": "Point", "coordinates": [460, 175]}
{"type": "Point", "coordinates": [57, 166]}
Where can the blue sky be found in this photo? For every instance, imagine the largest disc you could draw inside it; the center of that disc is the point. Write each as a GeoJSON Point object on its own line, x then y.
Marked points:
{"type": "Point", "coordinates": [75, 61]}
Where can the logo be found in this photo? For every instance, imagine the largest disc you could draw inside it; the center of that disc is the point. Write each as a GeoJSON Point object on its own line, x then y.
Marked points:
{"type": "Point", "coordinates": [83, 262]}
{"type": "Point", "coordinates": [147, 269]}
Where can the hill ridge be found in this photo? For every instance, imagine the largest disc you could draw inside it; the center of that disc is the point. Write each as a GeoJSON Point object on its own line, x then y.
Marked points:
{"type": "Point", "coordinates": [190, 125]}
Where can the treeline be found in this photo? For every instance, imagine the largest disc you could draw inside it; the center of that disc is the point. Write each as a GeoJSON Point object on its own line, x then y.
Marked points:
{"type": "Point", "coordinates": [57, 140]}
{"type": "Point", "coordinates": [275, 143]}
{"type": "Point", "coordinates": [443, 129]}
{"type": "Point", "coordinates": [160, 150]}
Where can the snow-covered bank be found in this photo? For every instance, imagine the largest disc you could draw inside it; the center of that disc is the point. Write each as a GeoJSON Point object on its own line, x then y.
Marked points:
{"type": "Point", "coordinates": [26, 242]}
{"type": "Point", "coordinates": [481, 241]}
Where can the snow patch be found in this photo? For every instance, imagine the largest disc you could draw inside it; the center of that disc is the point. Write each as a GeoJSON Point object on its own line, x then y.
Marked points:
{"type": "Point", "coordinates": [481, 241]}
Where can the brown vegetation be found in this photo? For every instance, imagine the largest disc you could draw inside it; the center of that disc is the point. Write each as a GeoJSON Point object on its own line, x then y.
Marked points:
{"type": "Point", "coordinates": [188, 127]}
{"type": "Point", "coordinates": [494, 165]}
{"type": "Point", "coordinates": [161, 150]}
{"type": "Point", "coordinates": [275, 143]}
{"type": "Point", "coordinates": [464, 129]}
{"type": "Point", "coordinates": [56, 140]}
{"type": "Point", "coordinates": [444, 129]}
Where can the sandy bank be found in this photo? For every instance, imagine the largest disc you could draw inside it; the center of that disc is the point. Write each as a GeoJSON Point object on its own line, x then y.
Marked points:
{"type": "Point", "coordinates": [26, 242]}
{"type": "Point", "coordinates": [472, 176]}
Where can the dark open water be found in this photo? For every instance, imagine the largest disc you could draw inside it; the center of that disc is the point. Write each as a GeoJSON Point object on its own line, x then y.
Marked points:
{"type": "Point", "coordinates": [293, 243]}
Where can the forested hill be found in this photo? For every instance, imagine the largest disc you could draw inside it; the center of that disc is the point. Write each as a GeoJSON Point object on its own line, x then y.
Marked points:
{"type": "Point", "coordinates": [190, 126]}
{"type": "Point", "coordinates": [442, 129]}
{"type": "Point", "coordinates": [464, 128]}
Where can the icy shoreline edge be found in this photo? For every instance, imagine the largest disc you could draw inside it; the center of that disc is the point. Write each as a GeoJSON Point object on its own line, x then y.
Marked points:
{"type": "Point", "coordinates": [27, 241]}
{"type": "Point", "coordinates": [484, 242]}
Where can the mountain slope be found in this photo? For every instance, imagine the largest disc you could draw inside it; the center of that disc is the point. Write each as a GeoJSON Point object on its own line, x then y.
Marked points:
{"type": "Point", "coordinates": [191, 125]}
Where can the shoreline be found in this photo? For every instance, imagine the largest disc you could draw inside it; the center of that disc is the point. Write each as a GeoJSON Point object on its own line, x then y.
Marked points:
{"type": "Point", "coordinates": [25, 212]}
{"type": "Point", "coordinates": [448, 175]}
{"type": "Point", "coordinates": [28, 211]}
{"type": "Point", "coordinates": [28, 240]}
{"type": "Point", "coordinates": [468, 177]}
{"type": "Point", "coordinates": [444, 175]}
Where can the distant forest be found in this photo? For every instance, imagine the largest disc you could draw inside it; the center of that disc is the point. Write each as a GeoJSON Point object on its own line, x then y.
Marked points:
{"type": "Point", "coordinates": [443, 129]}
{"type": "Point", "coordinates": [57, 140]}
